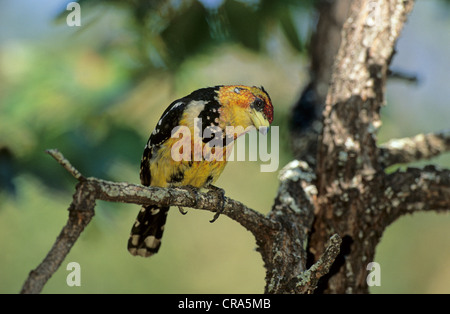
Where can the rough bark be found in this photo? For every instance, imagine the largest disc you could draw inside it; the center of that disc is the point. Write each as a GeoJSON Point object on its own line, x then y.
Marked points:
{"type": "Point", "coordinates": [351, 182]}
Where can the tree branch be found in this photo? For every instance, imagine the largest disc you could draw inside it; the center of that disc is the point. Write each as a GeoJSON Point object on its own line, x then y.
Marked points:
{"type": "Point", "coordinates": [88, 190]}
{"type": "Point", "coordinates": [281, 236]}
{"type": "Point", "coordinates": [308, 280]}
{"type": "Point", "coordinates": [284, 253]}
{"type": "Point", "coordinates": [138, 194]}
{"type": "Point", "coordinates": [419, 147]}
{"type": "Point", "coordinates": [417, 190]}
{"type": "Point", "coordinates": [81, 211]}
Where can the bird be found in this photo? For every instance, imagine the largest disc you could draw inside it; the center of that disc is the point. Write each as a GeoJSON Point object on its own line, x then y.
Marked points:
{"type": "Point", "coordinates": [207, 114]}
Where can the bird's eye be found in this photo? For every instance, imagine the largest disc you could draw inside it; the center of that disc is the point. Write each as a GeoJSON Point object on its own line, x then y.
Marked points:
{"type": "Point", "coordinates": [258, 104]}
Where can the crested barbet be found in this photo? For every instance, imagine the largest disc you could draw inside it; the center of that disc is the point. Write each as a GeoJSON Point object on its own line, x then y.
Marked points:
{"type": "Point", "coordinates": [207, 111]}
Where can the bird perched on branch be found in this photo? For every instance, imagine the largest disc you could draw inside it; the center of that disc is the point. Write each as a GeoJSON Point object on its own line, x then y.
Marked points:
{"type": "Point", "coordinates": [190, 146]}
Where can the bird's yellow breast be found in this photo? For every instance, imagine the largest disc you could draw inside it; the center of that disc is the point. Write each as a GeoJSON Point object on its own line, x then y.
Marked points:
{"type": "Point", "coordinates": [197, 170]}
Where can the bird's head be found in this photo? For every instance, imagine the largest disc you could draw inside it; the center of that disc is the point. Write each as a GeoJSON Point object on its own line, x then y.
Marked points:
{"type": "Point", "coordinates": [246, 106]}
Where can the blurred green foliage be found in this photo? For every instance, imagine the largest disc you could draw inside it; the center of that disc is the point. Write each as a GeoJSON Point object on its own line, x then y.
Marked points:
{"type": "Point", "coordinates": [169, 31]}
{"type": "Point", "coordinates": [95, 93]}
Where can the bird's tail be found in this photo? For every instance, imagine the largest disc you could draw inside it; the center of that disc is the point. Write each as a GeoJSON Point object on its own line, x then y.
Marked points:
{"type": "Point", "coordinates": [145, 238]}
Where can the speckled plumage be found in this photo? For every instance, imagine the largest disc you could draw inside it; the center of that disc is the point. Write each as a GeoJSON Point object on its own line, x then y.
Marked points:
{"type": "Point", "coordinates": [209, 110]}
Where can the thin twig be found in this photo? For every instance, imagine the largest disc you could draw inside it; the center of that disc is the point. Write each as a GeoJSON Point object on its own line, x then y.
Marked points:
{"type": "Point", "coordinates": [404, 76]}
{"type": "Point", "coordinates": [65, 163]}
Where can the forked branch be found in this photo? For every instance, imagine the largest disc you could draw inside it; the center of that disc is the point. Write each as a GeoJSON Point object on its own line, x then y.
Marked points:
{"type": "Point", "coordinates": [89, 190]}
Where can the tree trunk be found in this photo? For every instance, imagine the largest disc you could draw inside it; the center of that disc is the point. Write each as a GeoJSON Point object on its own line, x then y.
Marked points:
{"type": "Point", "coordinates": [351, 183]}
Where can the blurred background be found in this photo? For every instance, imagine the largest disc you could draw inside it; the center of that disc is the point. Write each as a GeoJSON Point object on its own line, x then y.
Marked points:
{"type": "Point", "coordinates": [95, 92]}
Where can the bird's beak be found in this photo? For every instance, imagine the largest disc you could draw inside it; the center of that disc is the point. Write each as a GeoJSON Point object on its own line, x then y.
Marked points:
{"type": "Point", "coordinates": [260, 121]}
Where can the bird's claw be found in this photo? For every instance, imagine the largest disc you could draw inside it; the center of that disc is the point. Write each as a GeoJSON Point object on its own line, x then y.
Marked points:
{"type": "Point", "coordinates": [182, 211]}
{"type": "Point", "coordinates": [221, 193]}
